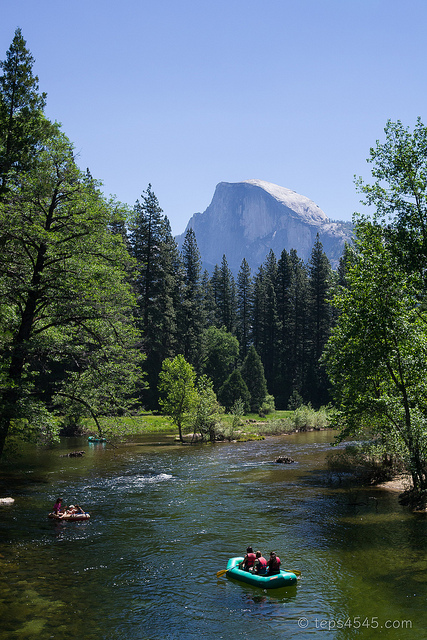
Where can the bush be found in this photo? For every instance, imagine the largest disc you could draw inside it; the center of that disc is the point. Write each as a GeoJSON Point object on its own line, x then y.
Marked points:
{"type": "Point", "coordinates": [305, 418]}
{"type": "Point", "coordinates": [367, 462]}
{"type": "Point", "coordinates": [268, 405]}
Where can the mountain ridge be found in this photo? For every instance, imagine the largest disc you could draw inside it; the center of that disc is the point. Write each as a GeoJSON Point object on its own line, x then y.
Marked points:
{"type": "Point", "coordinates": [247, 219]}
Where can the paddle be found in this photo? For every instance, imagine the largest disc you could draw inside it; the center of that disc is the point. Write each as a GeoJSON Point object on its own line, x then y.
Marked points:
{"type": "Point", "coordinates": [295, 571]}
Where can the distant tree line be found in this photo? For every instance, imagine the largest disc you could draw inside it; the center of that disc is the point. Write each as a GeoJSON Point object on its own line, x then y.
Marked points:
{"type": "Point", "coordinates": [282, 312]}
{"type": "Point", "coordinates": [95, 297]}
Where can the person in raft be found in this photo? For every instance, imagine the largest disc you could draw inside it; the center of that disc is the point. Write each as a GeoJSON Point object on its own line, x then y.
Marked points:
{"type": "Point", "coordinates": [260, 564]}
{"type": "Point", "coordinates": [57, 507]}
{"type": "Point", "coordinates": [73, 510]}
{"type": "Point", "coordinates": [248, 560]}
{"type": "Point", "coordinates": [273, 565]}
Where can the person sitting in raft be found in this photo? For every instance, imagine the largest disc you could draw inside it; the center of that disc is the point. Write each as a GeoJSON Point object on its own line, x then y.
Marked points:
{"type": "Point", "coordinates": [78, 509]}
{"type": "Point", "coordinates": [260, 564]}
{"type": "Point", "coordinates": [57, 507]}
{"type": "Point", "coordinates": [69, 511]}
{"type": "Point", "coordinates": [273, 565]}
{"type": "Point", "coordinates": [248, 560]}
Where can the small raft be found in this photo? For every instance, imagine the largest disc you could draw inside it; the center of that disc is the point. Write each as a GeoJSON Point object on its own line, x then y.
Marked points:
{"type": "Point", "coordinates": [73, 517]}
{"type": "Point", "coordinates": [94, 439]}
{"type": "Point", "coordinates": [283, 579]}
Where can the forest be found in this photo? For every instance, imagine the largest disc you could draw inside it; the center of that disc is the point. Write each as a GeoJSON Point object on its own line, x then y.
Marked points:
{"type": "Point", "coordinates": [95, 295]}
{"type": "Point", "coordinates": [101, 314]}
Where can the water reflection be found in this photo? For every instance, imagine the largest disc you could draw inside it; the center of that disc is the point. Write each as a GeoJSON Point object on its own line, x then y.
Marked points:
{"type": "Point", "coordinates": [165, 519]}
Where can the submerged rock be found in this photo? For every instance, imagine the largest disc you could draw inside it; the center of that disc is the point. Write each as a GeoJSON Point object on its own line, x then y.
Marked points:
{"type": "Point", "coordinates": [73, 454]}
{"type": "Point", "coordinates": [285, 460]}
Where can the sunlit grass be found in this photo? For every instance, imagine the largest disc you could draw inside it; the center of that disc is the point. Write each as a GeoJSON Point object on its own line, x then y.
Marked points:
{"type": "Point", "coordinates": [250, 425]}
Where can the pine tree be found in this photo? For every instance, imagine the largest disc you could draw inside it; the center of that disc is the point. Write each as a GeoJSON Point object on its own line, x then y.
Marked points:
{"type": "Point", "coordinates": [22, 123]}
{"type": "Point", "coordinates": [155, 252]}
{"type": "Point", "coordinates": [253, 374]}
{"type": "Point", "coordinates": [299, 353]}
{"type": "Point", "coordinates": [191, 316]}
{"type": "Point", "coordinates": [270, 347]}
{"type": "Point", "coordinates": [244, 307]}
{"type": "Point", "coordinates": [265, 321]}
{"type": "Point", "coordinates": [208, 299]}
{"type": "Point", "coordinates": [226, 297]}
{"type": "Point", "coordinates": [220, 355]}
{"type": "Point", "coordinates": [285, 288]}
{"type": "Point", "coordinates": [233, 390]}
{"type": "Point", "coordinates": [320, 320]}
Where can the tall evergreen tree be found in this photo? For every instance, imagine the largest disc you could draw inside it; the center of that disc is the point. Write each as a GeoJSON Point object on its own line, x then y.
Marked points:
{"type": "Point", "coordinates": [208, 299]}
{"type": "Point", "coordinates": [320, 320]}
{"type": "Point", "coordinates": [299, 326]}
{"type": "Point", "coordinates": [233, 390]}
{"type": "Point", "coordinates": [226, 297]}
{"type": "Point", "coordinates": [266, 324]}
{"type": "Point", "coordinates": [270, 347]}
{"type": "Point", "coordinates": [155, 252]}
{"type": "Point", "coordinates": [244, 307]}
{"type": "Point", "coordinates": [285, 290]}
{"type": "Point", "coordinates": [191, 316]}
{"type": "Point", "coordinates": [22, 123]}
{"type": "Point", "coordinates": [220, 355]}
{"type": "Point", "coordinates": [253, 374]}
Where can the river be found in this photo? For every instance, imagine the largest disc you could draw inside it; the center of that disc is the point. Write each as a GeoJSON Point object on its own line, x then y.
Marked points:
{"type": "Point", "coordinates": [165, 518]}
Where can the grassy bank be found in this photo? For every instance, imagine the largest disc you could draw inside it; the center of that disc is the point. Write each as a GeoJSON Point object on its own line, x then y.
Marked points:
{"type": "Point", "coordinates": [249, 426]}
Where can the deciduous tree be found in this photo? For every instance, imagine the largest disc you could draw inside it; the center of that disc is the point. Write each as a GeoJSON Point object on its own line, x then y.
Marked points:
{"type": "Point", "coordinates": [178, 396]}
{"type": "Point", "coordinates": [63, 289]}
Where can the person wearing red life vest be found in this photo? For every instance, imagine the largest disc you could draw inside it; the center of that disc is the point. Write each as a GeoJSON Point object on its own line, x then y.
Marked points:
{"type": "Point", "coordinates": [249, 560]}
{"type": "Point", "coordinates": [273, 565]}
{"type": "Point", "coordinates": [260, 564]}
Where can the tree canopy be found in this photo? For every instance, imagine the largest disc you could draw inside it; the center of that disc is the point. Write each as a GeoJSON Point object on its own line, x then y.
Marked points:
{"type": "Point", "coordinates": [376, 356]}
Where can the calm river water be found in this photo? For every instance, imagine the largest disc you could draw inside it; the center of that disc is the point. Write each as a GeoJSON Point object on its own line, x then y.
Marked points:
{"type": "Point", "coordinates": [165, 518]}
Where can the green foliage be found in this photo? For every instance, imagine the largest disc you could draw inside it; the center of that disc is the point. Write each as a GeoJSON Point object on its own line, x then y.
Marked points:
{"type": "Point", "coordinates": [306, 418]}
{"type": "Point", "coordinates": [220, 354]}
{"type": "Point", "coordinates": [369, 462]}
{"type": "Point", "coordinates": [295, 401]}
{"type": "Point", "coordinates": [377, 354]}
{"type": "Point", "coordinates": [225, 297]}
{"type": "Point", "coordinates": [179, 397]}
{"type": "Point", "coordinates": [268, 405]}
{"type": "Point", "coordinates": [66, 309]}
{"type": "Point", "coordinates": [206, 416]}
{"type": "Point", "coordinates": [244, 307]}
{"type": "Point", "coordinates": [22, 124]}
{"type": "Point", "coordinates": [237, 411]}
{"type": "Point", "coordinates": [252, 372]}
{"type": "Point", "coordinates": [320, 321]}
{"type": "Point", "coordinates": [155, 283]}
{"type": "Point", "coordinates": [191, 309]}
{"type": "Point", "coordinates": [234, 390]}
{"type": "Point", "coordinates": [399, 193]}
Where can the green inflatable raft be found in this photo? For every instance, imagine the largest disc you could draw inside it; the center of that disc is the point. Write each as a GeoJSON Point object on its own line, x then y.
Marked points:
{"type": "Point", "coordinates": [283, 579]}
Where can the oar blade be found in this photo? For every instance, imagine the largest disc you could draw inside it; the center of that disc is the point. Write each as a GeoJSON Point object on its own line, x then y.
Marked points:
{"type": "Point", "coordinates": [221, 573]}
{"type": "Point", "coordinates": [295, 571]}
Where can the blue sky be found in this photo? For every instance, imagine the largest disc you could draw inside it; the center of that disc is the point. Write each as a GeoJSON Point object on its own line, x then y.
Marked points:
{"type": "Point", "coordinates": [184, 94]}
